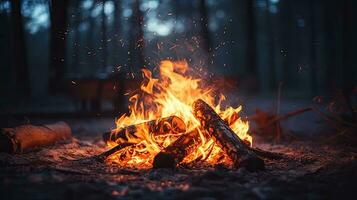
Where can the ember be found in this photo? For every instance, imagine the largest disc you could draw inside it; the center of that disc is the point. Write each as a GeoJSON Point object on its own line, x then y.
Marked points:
{"type": "Point", "coordinates": [162, 119]}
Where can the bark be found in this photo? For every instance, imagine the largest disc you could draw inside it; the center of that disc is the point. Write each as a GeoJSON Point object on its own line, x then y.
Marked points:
{"type": "Point", "coordinates": [58, 11]}
{"type": "Point", "coordinates": [27, 137]}
{"type": "Point", "coordinates": [18, 49]}
{"type": "Point", "coordinates": [224, 136]}
{"type": "Point", "coordinates": [167, 125]}
{"type": "Point", "coordinates": [174, 154]}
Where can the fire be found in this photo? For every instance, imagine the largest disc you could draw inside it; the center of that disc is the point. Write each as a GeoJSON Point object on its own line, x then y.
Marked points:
{"type": "Point", "coordinates": [172, 93]}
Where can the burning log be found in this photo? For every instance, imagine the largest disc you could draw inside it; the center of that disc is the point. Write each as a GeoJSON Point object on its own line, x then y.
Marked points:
{"type": "Point", "coordinates": [27, 137]}
{"type": "Point", "coordinates": [167, 125]}
{"type": "Point", "coordinates": [177, 151]}
{"type": "Point", "coordinates": [232, 145]}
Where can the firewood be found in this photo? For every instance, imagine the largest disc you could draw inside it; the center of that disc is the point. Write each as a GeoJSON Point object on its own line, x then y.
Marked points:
{"type": "Point", "coordinates": [173, 154]}
{"type": "Point", "coordinates": [224, 136]}
{"type": "Point", "coordinates": [103, 156]}
{"type": "Point", "coordinates": [27, 137]}
{"type": "Point", "coordinates": [267, 154]}
{"type": "Point", "coordinates": [167, 125]}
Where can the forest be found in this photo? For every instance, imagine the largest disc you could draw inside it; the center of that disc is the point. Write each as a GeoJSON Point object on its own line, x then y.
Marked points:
{"type": "Point", "coordinates": [178, 99]}
{"type": "Point", "coordinates": [307, 46]}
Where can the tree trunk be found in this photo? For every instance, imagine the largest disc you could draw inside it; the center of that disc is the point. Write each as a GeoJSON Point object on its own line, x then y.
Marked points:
{"type": "Point", "coordinates": [18, 50]}
{"type": "Point", "coordinates": [104, 37]}
{"type": "Point", "coordinates": [58, 12]}
{"type": "Point", "coordinates": [206, 41]}
{"type": "Point", "coordinates": [349, 42]}
{"type": "Point", "coordinates": [76, 38]}
{"type": "Point", "coordinates": [251, 64]}
{"type": "Point", "coordinates": [91, 52]}
{"type": "Point", "coordinates": [116, 32]}
{"type": "Point", "coordinates": [313, 63]}
{"type": "Point", "coordinates": [136, 51]}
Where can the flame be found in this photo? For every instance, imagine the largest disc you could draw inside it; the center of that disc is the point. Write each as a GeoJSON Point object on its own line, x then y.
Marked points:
{"type": "Point", "coordinates": [172, 93]}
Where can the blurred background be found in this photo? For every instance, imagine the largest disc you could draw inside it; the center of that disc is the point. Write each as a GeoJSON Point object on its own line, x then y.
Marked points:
{"type": "Point", "coordinates": [81, 56]}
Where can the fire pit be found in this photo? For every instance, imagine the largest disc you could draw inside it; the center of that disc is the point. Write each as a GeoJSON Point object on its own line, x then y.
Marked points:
{"type": "Point", "coordinates": [176, 119]}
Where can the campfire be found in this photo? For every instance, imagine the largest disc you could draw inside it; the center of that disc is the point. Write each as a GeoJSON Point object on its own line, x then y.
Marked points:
{"type": "Point", "coordinates": [175, 119]}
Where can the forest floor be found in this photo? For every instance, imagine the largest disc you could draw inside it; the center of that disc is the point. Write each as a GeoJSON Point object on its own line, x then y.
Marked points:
{"type": "Point", "coordinates": [310, 168]}
{"type": "Point", "coordinates": [308, 171]}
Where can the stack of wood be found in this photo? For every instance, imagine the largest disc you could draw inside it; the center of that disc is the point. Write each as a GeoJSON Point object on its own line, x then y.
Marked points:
{"type": "Point", "coordinates": [212, 125]}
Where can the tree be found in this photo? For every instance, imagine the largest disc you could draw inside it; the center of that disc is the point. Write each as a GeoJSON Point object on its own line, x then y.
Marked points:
{"type": "Point", "coordinates": [250, 39]}
{"type": "Point", "coordinates": [116, 31]}
{"type": "Point", "coordinates": [18, 49]}
{"type": "Point", "coordinates": [313, 63]}
{"type": "Point", "coordinates": [205, 34]}
{"type": "Point", "coordinates": [58, 14]}
{"type": "Point", "coordinates": [136, 49]}
{"type": "Point", "coordinates": [104, 37]}
{"type": "Point", "coordinates": [76, 39]}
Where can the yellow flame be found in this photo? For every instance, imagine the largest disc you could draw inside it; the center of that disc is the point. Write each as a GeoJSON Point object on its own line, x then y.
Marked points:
{"type": "Point", "coordinates": [173, 93]}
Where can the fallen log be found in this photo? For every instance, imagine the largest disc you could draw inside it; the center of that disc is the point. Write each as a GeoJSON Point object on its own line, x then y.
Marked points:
{"type": "Point", "coordinates": [231, 144]}
{"type": "Point", "coordinates": [173, 154]}
{"type": "Point", "coordinates": [27, 137]}
{"type": "Point", "coordinates": [167, 125]}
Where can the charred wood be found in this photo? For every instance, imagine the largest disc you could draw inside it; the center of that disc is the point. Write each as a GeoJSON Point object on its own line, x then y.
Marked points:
{"type": "Point", "coordinates": [231, 144]}
{"type": "Point", "coordinates": [163, 126]}
{"type": "Point", "coordinates": [174, 154]}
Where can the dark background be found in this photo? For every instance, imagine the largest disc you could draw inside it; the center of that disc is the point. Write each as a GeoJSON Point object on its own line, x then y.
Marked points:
{"type": "Point", "coordinates": [71, 56]}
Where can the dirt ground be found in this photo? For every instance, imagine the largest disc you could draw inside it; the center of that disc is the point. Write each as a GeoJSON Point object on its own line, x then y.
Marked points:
{"type": "Point", "coordinates": [308, 170]}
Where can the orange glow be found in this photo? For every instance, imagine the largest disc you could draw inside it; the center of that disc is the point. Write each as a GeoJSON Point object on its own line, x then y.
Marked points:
{"type": "Point", "coordinates": [173, 93]}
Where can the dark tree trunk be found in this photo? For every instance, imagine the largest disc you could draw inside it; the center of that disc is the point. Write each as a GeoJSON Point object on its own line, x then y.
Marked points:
{"type": "Point", "coordinates": [349, 42]}
{"type": "Point", "coordinates": [251, 64]}
{"type": "Point", "coordinates": [136, 51]}
{"type": "Point", "coordinates": [76, 38]}
{"type": "Point", "coordinates": [90, 39]}
{"type": "Point", "coordinates": [271, 46]}
{"type": "Point", "coordinates": [104, 37]}
{"type": "Point", "coordinates": [18, 50]}
{"type": "Point", "coordinates": [206, 41]}
{"type": "Point", "coordinates": [116, 31]}
{"type": "Point", "coordinates": [58, 11]}
{"type": "Point", "coordinates": [286, 21]}
{"type": "Point", "coordinates": [313, 67]}
{"type": "Point", "coordinates": [331, 38]}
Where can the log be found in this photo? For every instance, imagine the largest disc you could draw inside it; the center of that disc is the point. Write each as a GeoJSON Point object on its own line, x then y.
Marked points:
{"type": "Point", "coordinates": [231, 144]}
{"type": "Point", "coordinates": [167, 125]}
{"type": "Point", "coordinates": [267, 154]}
{"type": "Point", "coordinates": [103, 156]}
{"type": "Point", "coordinates": [174, 154]}
{"type": "Point", "coordinates": [26, 137]}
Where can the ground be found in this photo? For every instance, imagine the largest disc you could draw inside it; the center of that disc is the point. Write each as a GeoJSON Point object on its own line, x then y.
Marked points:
{"type": "Point", "coordinates": [308, 170]}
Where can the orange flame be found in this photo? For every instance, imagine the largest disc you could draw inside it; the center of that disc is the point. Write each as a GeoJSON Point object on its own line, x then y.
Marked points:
{"type": "Point", "coordinates": [173, 93]}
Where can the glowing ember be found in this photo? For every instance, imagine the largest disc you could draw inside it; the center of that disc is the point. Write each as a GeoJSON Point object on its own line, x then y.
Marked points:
{"type": "Point", "coordinates": [172, 94]}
